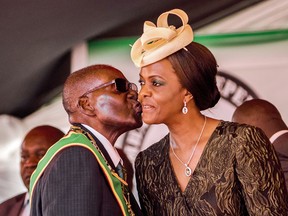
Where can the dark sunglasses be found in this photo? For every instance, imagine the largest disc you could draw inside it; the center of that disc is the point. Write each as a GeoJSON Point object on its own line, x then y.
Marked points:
{"type": "Point", "coordinates": [121, 85]}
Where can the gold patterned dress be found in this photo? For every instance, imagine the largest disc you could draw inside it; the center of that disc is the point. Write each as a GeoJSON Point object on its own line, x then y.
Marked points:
{"type": "Point", "coordinates": [238, 174]}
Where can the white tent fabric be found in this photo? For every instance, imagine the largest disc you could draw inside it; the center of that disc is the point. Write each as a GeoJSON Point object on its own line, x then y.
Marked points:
{"type": "Point", "coordinates": [12, 130]}
{"type": "Point", "coordinates": [268, 15]}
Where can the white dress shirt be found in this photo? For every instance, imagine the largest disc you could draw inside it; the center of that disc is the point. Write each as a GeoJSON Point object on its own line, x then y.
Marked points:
{"type": "Point", "coordinates": [277, 134]}
{"type": "Point", "coordinates": [112, 151]}
{"type": "Point", "coordinates": [26, 207]}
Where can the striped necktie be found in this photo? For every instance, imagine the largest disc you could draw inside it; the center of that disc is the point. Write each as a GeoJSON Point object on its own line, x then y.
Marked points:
{"type": "Point", "coordinates": [121, 171]}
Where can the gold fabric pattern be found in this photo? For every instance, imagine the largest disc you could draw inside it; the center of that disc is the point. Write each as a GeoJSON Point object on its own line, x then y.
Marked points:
{"type": "Point", "coordinates": [231, 178]}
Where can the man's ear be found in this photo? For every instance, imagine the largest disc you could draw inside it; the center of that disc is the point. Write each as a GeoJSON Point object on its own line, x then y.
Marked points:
{"type": "Point", "coordinates": [85, 106]}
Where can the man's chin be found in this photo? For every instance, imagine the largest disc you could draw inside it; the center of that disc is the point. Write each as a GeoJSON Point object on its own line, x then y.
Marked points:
{"type": "Point", "coordinates": [137, 124]}
{"type": "Point", "coordinates": [27, 181]}
{"type": "Point", "coordinates": [138, 120]}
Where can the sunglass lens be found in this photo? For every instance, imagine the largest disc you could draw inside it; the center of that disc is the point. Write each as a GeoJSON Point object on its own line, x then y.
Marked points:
{"type": "Point", "coordinates": [121, 85]}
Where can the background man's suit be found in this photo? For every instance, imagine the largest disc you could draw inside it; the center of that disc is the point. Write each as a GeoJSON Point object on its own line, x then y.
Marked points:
{"type": "Point", "coordinates": [12, 206]}
{"type": "Point", "coordinates": [281, 146]}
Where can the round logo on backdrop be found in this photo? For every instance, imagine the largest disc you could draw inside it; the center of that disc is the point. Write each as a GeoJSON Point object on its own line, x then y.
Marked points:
{"type": "Point", "coordinates": [234, 90]}
{"type": "Point", "coordinates": [233, 93]}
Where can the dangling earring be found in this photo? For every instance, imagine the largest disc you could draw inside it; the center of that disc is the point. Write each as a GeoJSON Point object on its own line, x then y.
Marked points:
{"type": "Point", "coordinates": [185, 109]}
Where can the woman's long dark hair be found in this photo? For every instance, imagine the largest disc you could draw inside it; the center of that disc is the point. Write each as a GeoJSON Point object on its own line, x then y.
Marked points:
{"type": "Point", "coordinates": [196, 68]}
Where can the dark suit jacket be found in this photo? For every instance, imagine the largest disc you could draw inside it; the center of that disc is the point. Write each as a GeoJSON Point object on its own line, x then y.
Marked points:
{"type": "Point", "coordinates": [281, 147]}
{"type": "Point", "coordinates": [74, 184]}
{"type": "Point", "coordinates": [12, 206]}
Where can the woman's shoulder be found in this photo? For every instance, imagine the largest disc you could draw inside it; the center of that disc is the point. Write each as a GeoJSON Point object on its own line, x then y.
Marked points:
{"type": "Point", "coordinates": [228, 128]}
{"type": "Point", "coordinates": [239, 133]}
{"type": "Point", "coordinates": [157, 147]}
{"type": "Point", "coordinates": [157, 150]}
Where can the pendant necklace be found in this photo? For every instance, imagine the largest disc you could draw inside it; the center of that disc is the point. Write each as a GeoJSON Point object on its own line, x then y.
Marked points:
{"type": "Point", "coordinates": [188, 170]}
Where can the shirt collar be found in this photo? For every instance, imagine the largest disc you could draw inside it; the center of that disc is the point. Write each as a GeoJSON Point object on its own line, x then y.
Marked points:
{"type": "Point", "coordinates": [25, 211]}
{"type": "Point", "coordinates": [277, 134]}
{"type": "Point", "coordinates": [112, 151]}
{"type": "Point", "coordinates": [26, 198]}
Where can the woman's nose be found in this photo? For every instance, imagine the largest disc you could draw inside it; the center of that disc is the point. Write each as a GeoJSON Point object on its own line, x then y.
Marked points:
{"type": "Point", "coordinates": [144, 92]}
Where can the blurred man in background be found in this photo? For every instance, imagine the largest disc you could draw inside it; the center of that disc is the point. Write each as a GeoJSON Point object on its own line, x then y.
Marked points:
{"type": "Point", "coordinates": [34, 146]}
{"type": "Point", "coordinates": [261, 113]}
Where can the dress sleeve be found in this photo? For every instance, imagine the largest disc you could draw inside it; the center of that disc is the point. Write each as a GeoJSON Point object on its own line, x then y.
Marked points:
{"type": "Point", "coordinates": [72, 184]}
{"type": "Point", "coordinates": [260, 174]}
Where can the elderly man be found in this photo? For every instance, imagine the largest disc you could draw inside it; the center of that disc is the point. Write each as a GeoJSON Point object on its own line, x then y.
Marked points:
{"type": "Point", "coordinates": [81, 174]}
{"type": "Point", "coordinates": [261, 113]}
{"type": "Point", "coordinates": [33, 148]}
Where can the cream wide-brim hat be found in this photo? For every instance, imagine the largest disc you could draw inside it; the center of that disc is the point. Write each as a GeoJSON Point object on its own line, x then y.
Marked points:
{"type": "Point", "coordinates": [158, 42]}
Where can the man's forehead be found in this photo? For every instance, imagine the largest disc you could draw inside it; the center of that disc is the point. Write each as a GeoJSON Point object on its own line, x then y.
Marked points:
{"type": "Point", "coordinates": [106, 76]}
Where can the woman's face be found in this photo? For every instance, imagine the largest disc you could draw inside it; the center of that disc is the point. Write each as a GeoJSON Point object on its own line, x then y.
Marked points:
{"type": "Point", "coordinates": [161, 93]}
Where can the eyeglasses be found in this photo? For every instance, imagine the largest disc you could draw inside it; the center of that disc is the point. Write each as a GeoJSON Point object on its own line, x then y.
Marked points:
{"type": "Point", "coordinates": [121, 85]}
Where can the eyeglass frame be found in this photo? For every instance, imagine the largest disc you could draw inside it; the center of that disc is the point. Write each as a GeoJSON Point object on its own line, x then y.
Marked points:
{"type": "Point", "coordinates": [131, 86]}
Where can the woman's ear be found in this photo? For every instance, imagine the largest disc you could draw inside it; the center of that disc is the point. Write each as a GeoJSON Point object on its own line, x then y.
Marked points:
{"type": "Point", "coordinates": [188, 96]}
{"type": "Point", "coordinates": [85, 106]}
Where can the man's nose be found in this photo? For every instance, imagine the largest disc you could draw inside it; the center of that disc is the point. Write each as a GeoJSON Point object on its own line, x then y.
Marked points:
{"type": "Point", "coordinates": [31, 161]}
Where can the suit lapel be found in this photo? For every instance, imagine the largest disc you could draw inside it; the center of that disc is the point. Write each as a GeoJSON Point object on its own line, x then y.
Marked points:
{"type": "Point", "coordinates": [17, 207]}
{"type": "Point", "coordinates": [101, 147]}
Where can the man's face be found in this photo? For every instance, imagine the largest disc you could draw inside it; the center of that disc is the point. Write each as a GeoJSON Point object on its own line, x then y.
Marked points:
{"type": "Point", "coordinates": [33, 149]}
{"type": "Point", "coordinates": [114, 108]}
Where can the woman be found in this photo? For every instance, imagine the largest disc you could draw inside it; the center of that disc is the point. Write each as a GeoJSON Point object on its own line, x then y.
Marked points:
{"type": "Point", "coordinates": [203, 166]}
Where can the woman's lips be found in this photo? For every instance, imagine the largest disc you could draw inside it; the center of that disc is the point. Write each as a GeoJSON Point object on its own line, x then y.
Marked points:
{"type": "Point", "coordinates": [147, 107]}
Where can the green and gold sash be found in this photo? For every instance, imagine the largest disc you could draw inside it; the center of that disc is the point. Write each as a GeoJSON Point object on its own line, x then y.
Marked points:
{"type": "Point", "coordinates": [79, 139]}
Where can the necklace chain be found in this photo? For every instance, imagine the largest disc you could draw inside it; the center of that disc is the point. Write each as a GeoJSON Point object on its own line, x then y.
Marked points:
{"type": "Point", "coordinates": [188, 170]}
